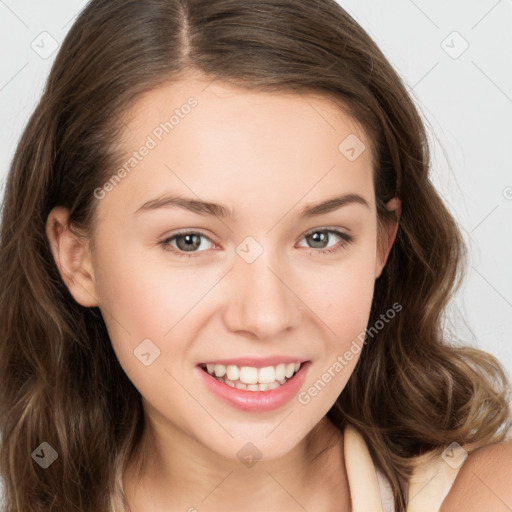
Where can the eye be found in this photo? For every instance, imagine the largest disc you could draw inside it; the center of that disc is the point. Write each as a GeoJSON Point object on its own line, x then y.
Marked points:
{"type": "Point", "coordinates": [320, 237]}
{"type": "Point", "coordinates": [185, 242]}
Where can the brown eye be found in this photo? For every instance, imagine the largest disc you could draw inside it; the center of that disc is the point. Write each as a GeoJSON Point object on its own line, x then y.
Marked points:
{"type": "Point", "coordinates": [319, 239]}
{"type": "Point", "coordinates": [187, 242]}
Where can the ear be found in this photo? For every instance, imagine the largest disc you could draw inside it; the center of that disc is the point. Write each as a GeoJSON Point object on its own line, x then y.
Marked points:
{"type": "Point", "coordinates": [72, 256]}
{"type": "Point", "coordinates": [387, 235]}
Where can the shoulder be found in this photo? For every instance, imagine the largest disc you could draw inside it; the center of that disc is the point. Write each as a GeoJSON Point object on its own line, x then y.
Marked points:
{"type": "Point", "coordinates": [484, 481]}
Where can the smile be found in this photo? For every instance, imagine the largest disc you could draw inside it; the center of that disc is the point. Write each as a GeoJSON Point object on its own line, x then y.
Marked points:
{"type": "Point", "coordinates": [252, 378]}
{"type": "Point", "coordinates": [252, 388]}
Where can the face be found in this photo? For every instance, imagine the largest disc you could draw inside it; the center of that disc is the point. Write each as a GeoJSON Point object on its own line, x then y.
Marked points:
{"type": "Point", "coordinates": [251, 287]}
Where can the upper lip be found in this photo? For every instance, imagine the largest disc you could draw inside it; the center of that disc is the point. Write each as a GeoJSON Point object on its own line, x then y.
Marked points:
{"type": "Point", "coordinates": [256, 362]}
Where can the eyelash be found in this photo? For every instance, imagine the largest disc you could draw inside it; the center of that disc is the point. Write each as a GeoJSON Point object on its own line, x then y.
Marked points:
{"type": "Point", "coordinates": [345, 240]}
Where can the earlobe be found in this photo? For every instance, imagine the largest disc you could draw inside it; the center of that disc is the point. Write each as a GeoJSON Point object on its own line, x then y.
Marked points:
{"type": "Point", "coordinates": [387, 238]}
{"type": "Point", "coordinates": [72, 257]}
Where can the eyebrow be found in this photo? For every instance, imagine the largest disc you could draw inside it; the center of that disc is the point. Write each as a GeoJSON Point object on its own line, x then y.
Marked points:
{"type": "Point", "coordinates": [222, 211]}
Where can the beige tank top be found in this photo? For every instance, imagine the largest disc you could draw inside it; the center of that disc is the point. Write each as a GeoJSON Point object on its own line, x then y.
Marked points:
{"type": "Point", "coordinates": [370, 490]}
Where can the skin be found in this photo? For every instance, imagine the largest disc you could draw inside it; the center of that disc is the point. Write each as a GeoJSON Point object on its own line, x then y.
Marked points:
{"type": "Point", "coordinates": [483, 482]}
{"type": "Point", "coordinates": [265, 156]}
{"type": "Point", "coordinates": [237, 148]}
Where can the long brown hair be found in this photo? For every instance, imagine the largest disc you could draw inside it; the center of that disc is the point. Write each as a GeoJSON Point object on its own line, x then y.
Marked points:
{"type": "Point", "coordinates": [412, 391]}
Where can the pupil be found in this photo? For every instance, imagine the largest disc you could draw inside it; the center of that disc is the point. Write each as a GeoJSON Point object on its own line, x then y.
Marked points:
{"type": "Point", "coordinates": [189, 242]}
{"type": "Point", "coordinates": [319, 237]}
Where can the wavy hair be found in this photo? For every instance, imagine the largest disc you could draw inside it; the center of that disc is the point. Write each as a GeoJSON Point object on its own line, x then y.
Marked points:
{"type": "Point", "coordinates": [412, 390]}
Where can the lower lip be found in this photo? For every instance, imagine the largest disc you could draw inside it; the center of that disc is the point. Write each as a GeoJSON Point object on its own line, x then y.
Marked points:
{"type": "Point", "coordinates": [256, 401]}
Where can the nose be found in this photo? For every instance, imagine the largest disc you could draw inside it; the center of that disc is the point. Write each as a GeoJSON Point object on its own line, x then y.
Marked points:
{"type": "Point", "coordinates": [261, 299]}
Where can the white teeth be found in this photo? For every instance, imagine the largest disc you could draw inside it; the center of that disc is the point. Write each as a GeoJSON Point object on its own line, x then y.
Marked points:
{"type": "Point", "coordinates": [251, 378]}
{"type": "Point", "coordinates": [232, 372]}
{"type": "Point", "coordinates": [290, 370]}
{"type": "Point", "coordinates": [248, 387]}
{"type": "Point", "coordinates": [220, 370]}
{"type": "Point", "coordinates": [280, 371]}
{"type": "Point", "coordinates": [248, 375]}
{"type": "Point", "coordinates": [267, 375]}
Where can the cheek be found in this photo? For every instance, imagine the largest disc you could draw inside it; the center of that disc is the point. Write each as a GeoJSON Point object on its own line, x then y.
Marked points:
{"type": "Point", "coordinates": [145, 298]}
{"type": "Point", "coordinates": [135, 299]}
{"type": "Point", "coordinates": [343, 295]}
{"type": "Point", "coordinates": [344, 309]}
{"type": "Point", "coordinates": [347, 299]}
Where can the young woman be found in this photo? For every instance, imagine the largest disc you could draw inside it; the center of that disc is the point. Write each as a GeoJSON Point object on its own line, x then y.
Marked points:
{"type": "Point", "coordinates": [224, 267]}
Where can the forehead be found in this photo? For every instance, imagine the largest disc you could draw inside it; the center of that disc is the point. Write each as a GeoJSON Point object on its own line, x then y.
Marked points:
{"type": "Point", "coordinates": [240, 147]}
{"type": "Point", "coordinates": [216, 103]}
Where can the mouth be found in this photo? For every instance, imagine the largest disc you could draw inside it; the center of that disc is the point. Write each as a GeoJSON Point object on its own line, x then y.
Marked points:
{"type": "Point", "coordinates": [252, 378]}
{"type": "Point", "coordinates": [267, 386]}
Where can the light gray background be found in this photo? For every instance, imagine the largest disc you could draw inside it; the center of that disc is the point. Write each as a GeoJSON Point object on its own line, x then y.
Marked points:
{"type": "Point", "coordinates": [464, 97]}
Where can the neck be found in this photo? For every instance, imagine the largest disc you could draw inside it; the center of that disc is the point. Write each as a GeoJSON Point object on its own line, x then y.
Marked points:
{"type": "Point", "coordinates": [177, 473]}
